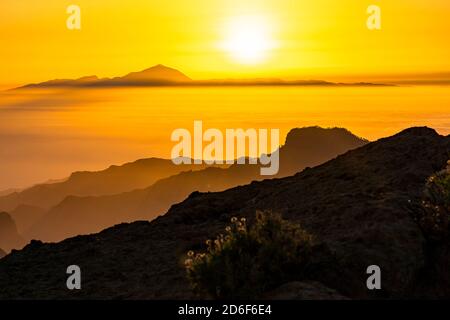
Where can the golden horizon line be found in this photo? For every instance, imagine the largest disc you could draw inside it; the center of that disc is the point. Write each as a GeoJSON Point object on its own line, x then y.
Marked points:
{"type": "Point", "coordinates": [376, 78]}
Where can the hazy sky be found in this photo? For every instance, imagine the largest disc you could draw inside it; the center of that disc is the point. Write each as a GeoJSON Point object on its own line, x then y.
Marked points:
{"type": "Point", "coordinates": [299, 38]}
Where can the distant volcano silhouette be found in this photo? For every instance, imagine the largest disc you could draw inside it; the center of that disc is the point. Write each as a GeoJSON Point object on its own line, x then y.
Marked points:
{"type": "Point", "coordinates": [155, 76]}
{"type": "Point", "coordinates": [157, 73]}
{"type": "Point", "coordinates": [161, 75]}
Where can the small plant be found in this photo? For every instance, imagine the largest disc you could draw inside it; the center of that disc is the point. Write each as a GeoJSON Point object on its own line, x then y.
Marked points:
{"type": "Point", "coordinates": [246, 261]}
{"type": "Point", "coordinates": [435, 220]}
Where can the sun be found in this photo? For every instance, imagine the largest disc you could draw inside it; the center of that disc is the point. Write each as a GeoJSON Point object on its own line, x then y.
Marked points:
{"type": "Point", "coordinates": [248, 39]}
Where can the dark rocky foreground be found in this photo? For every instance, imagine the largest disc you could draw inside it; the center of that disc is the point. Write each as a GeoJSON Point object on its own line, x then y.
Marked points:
{"type": "Point", "coordinates": [359, 206]}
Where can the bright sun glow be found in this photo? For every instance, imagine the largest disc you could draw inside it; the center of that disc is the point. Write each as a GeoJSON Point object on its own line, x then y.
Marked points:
{"type": "Point", "coordinates": [248, 39]}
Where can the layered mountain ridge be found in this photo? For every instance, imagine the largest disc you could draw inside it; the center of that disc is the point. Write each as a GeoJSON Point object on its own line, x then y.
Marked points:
{"type": "Point", "coordinates": [82, 215]}
{"type": "Point", "coordinates": [360, 208]}
{"type": "Point", "coordinates": [88, 202]}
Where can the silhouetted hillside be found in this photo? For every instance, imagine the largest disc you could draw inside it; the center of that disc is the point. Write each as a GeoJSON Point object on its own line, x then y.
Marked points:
{"type": "Point", "coordinates": [81, 215]}
{"type": "Point", "coordinates": [115, 179]}
{"type": "Point", "coordinates": [2, 253]}
{"type": "Point", "coordinates": [360, 207]}
{"type": "Point", "coordinates": [9, 237]}
{"type": "Point", "coordinates": [25, 216]}
{"type": "Point", "coordinates": [8, 191]}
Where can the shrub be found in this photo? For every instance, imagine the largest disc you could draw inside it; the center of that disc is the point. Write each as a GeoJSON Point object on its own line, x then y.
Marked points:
{"type": "Point", "coordinates": [247, 261]}
{"type": "Point", "coordinates": [435, 219]}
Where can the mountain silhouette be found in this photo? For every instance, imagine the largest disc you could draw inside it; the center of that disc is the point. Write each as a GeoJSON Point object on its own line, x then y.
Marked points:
{"type": "Point", "coordinates": [8, 191]}
{"type": "Point", "coordinates": [161, 75]}
{"type": "Point", "coordinates": [310, 146]}
{"type": "Point", "coordinates": [75, 215]}
{"type": "Point", "coordinates": [359, 207]}
{"type": "Point", "coordinates": [115, 179]}
{"type": "Point", "coordinates": [9, 237]}
{"type": "Point", "coordinates": [157, 73]}
{"type": "Point", "coordinates": [26, 216]}
{"type": "Point", "coordinates": [63, 83]}
{"type": "Point", "coordinates": [2, 253]}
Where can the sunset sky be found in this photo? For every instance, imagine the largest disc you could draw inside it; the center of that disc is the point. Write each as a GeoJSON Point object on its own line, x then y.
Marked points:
{"type": "Point", "coordinates": [294, 39]}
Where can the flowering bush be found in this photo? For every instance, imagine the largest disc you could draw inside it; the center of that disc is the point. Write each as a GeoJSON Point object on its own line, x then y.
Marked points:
{"type": "Point", "coordinates": [435, 220]}
{"type": "Point", "coordinates": [246, 261]}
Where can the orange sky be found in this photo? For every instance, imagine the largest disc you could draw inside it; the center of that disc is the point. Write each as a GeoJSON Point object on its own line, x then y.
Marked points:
{"type": "Point", "coordinates": [302, 39]}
